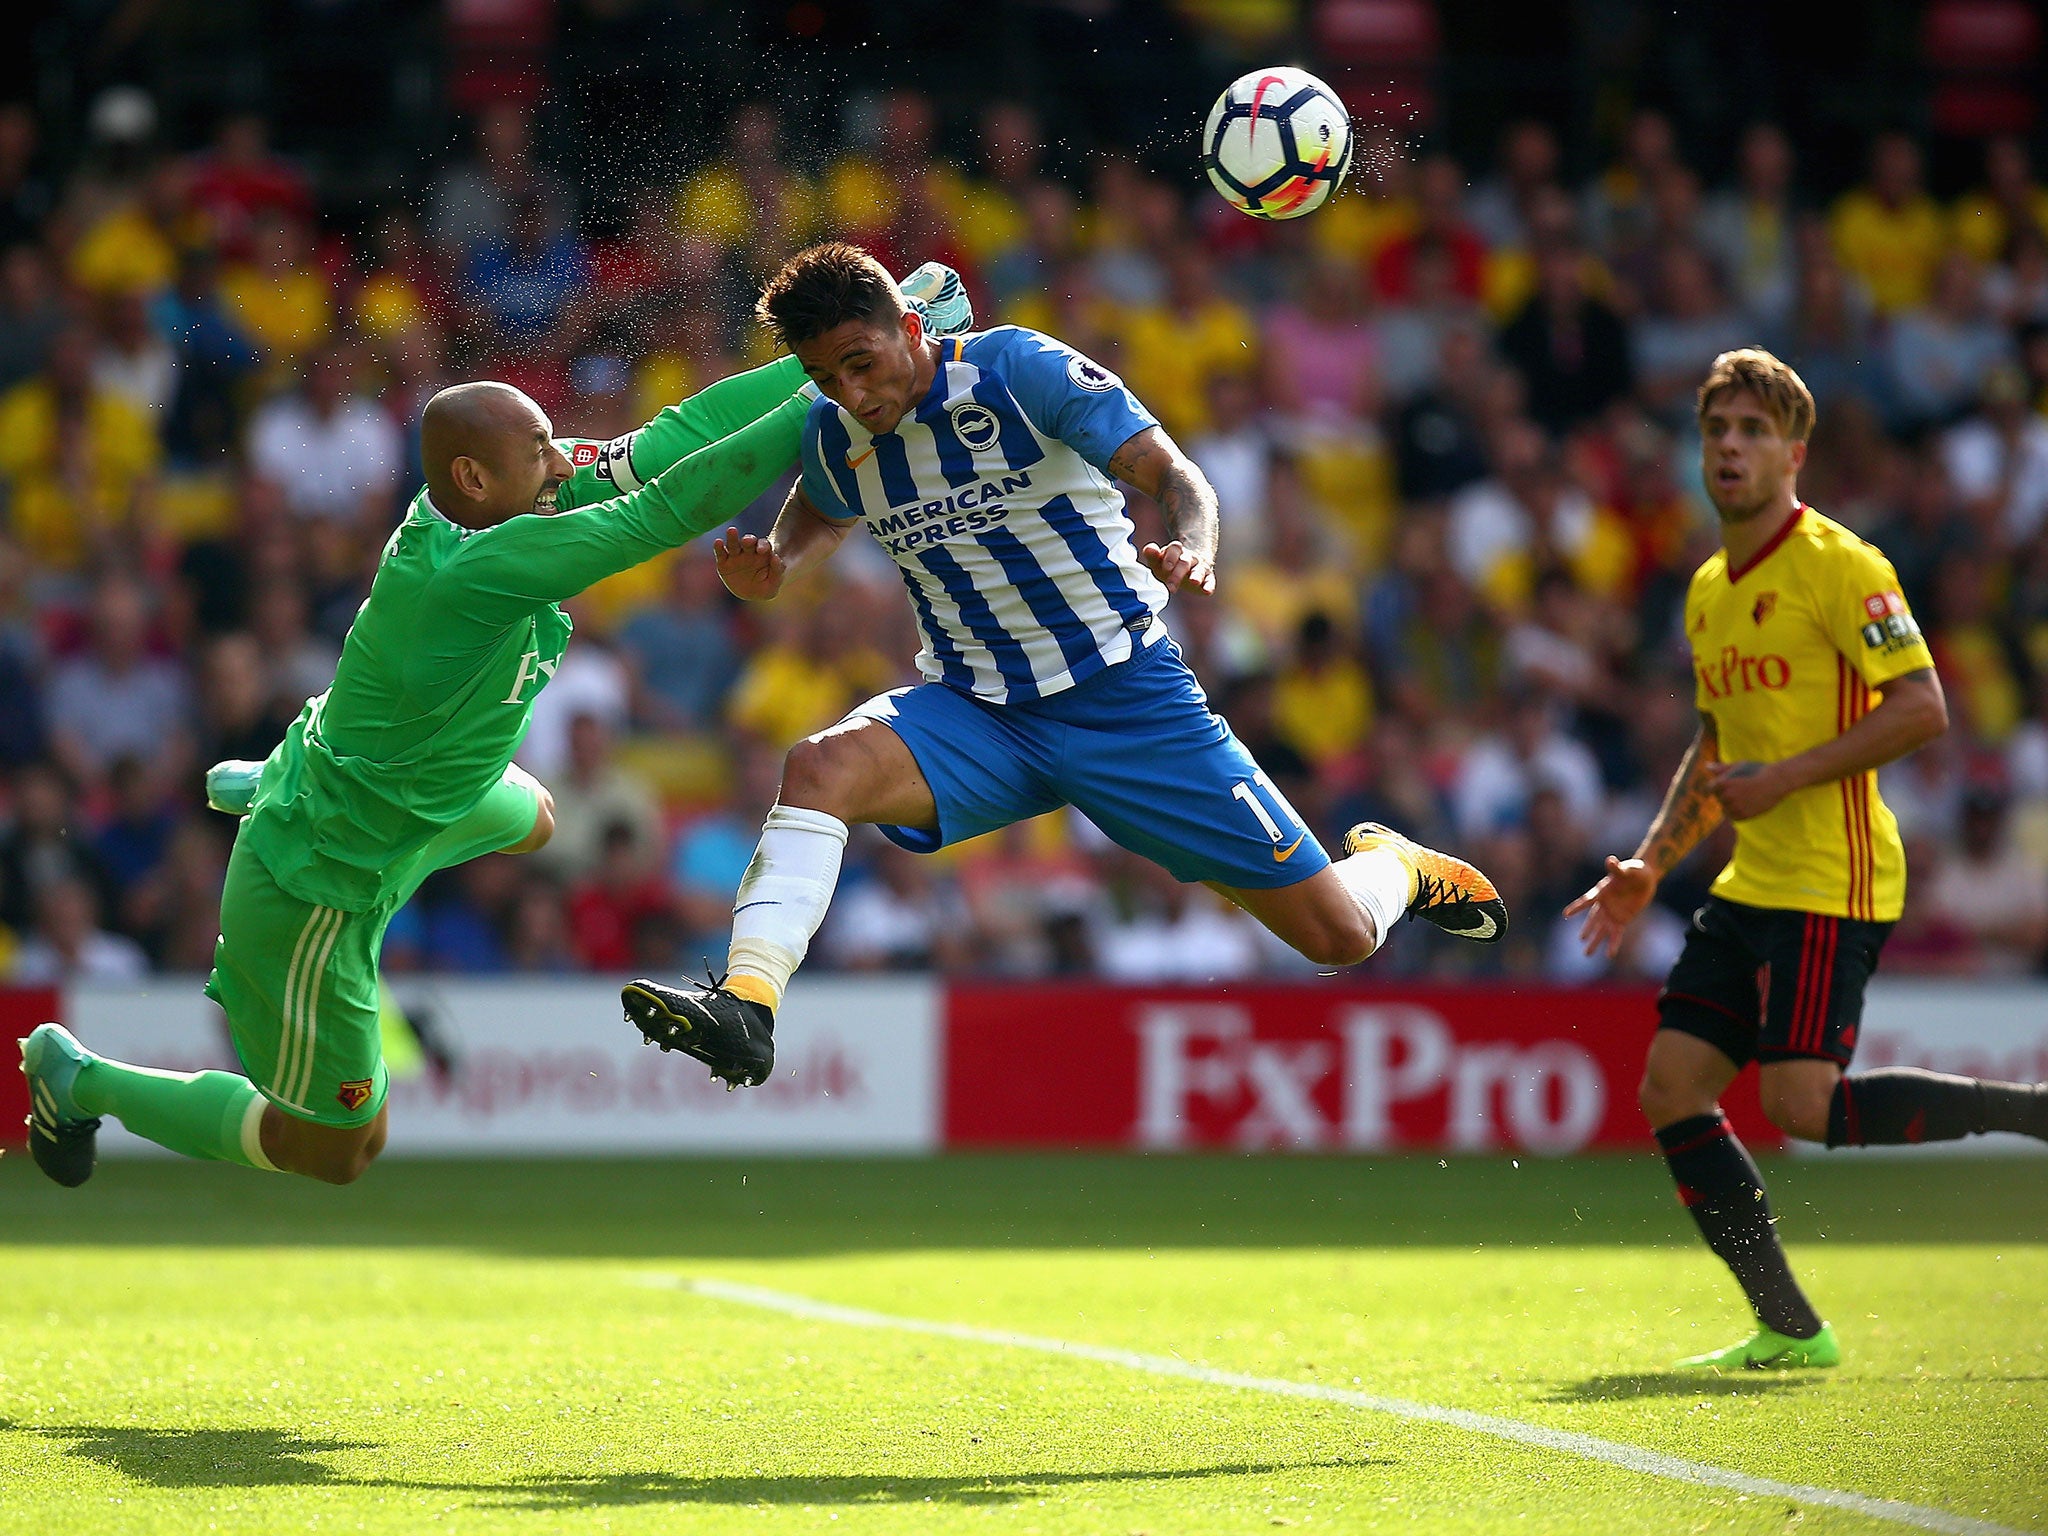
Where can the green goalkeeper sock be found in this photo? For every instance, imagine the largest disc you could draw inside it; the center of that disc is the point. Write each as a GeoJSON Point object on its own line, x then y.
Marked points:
{"type": "Point", "coordinates": [212, 1115]}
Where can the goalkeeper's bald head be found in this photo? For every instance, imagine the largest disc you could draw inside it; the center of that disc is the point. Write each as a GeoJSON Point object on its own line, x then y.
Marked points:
{"type": "Point", "coordinates": [489, 454]}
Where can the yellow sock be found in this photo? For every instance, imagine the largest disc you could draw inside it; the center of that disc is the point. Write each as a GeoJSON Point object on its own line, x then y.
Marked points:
{"type": "Point", "coordinates": [755, 989]}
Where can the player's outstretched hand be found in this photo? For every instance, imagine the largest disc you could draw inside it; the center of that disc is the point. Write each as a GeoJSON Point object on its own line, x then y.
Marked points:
{"type": "Point", "coordinates": [1176, 566]}
{"type": "Point", "coordinates": [748, 565]}
{"type": "Point", "coordinates": [1615, 902]}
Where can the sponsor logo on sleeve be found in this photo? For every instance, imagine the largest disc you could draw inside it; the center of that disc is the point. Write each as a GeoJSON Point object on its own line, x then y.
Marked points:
{"type": "Point", "coordinates": [615, 463]}
{"type": "Point", "coordinates": [1894, 634]}
{"type": "Point", "coordinates": [1091, 375]}
{"type": "Point", "coordinates": [1890, 627]}
{"type": "Point", "coordinates": [583, 455]}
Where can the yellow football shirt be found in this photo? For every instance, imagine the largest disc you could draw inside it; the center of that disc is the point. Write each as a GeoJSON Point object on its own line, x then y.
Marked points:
{"type": "Point", "coordinates": [1789, 652]}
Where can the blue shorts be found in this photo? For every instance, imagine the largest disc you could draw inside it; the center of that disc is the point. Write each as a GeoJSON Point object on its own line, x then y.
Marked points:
{"type": "Point", "coordinates": [1136, 749]}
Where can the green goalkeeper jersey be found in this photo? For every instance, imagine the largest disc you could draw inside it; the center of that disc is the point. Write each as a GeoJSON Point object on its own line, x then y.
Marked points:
{"type": "Point", "coordinates": [462, 630]}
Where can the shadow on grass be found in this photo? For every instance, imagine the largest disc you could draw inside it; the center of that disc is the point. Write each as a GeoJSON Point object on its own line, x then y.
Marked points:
{"type": "Point", "coordinates": [272, 1458]}
{"type": "Point", "coordinates": [1607, 1389]}
{"type": "Point", "coordinates": [771, 1207]}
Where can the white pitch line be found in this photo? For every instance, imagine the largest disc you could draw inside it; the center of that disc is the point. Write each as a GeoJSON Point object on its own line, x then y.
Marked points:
{"type": "Point", "coordinates": [1633, 1458]}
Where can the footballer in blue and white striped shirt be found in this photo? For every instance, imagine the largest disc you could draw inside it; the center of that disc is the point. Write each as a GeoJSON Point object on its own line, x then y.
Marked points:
{"type": "Point", "coordinates": [986, 465]}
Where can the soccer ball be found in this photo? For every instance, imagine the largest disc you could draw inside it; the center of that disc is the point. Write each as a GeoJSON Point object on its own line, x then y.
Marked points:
{"type": "Point", "coordinates": [1277, 144]}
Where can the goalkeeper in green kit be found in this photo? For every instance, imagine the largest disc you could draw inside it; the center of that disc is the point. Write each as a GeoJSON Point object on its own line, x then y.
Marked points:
{"type": "Point", "coordinates": [404, 766]}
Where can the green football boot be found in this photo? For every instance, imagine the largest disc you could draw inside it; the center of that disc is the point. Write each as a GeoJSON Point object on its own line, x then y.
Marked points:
{"type": "Point", "coordinates": [935, 291]}
{"type": "Point", "coordinates": [61, 1136]}
{"type": "Point", "coordinates": [1770, 1350]}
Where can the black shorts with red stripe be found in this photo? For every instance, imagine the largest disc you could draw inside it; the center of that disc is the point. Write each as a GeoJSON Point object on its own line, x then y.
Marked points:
{"type": "Point", "coordinates": [1768, 985]}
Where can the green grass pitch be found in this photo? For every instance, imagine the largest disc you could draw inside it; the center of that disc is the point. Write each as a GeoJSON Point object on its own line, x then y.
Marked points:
{"type": "Point", "coordinates": [512, 1347]}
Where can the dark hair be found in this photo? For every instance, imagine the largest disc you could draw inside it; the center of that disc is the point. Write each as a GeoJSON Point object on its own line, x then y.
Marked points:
{"type": "Point", "coordinates": [824, 287]}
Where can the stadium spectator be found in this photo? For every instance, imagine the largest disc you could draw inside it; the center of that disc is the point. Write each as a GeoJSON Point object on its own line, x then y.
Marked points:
{"type": "Point", "coordinates": [1173, 349]}
{"type": "Point", "coordinates": [1025, 888]}
{"type": "Point", "coordinates": [1571, 348]}
{"type": "Point", "coordinates": [538, 938]}
{"type": "Point", "coordinates": [212, 360]}
{"type": "Point", "coordinates": [1998, 460]}
{"type": "Point", "coordinates": [174, 912]}
{"type": "Point", "coordinates": [1528, 165]}
{"type": "Point", "coordinates": [1830, 336]}
{"type": "Point", "coordinates": [525, 279]}
{"type": "Point", "coordinates": [134, 362]}
{"type": "Point", "coordinates": [30, 313]}
{"type": "Point", "coordinates": [1439, 433]}
{"type": "Point", "coordinates": [594, 794]}
{"type": "Point", "coordinates": [681, 650]}
{"type": "Point", "coordinates": [1888, 232]}
{"type": "Point", "coordinates": [1322, 695]}
{"type": "Point", "coordinates": [1236, 453]}
{"type": "Point", "coordinates": [1991, 892]}
{"type": "Point", "coordinates": [277, 297]}
{"type": "Point", "coordinates": [1751, 227]}
{"type": "Point", "coordinates": [132, 839]}
{"type": "Point", "coordinates": [592, 681]}
{"type": "Point", "coordinates": [472, 203]}
{"type": "Point", "coordinates": [1165, 931]}
{"type": "Point", "coordinates": [328, 451]}
{"type": "Point", "coordinates": [45, 842]}
{"type": "Point", "coordinates": [26, 198]}
{"type": "Point", "coordinates": [78, 459]}
{"type": "Point", "coordinates": [1441, 230]}
{"type": "Point", "coordinates": [1505, 529]}
{"type": "Point", "coordinates": [1620, 204]}
{"type": "Point", "coordinates": [901, 917]}
{"type": "Point", "coordinates": [68, 944]}
{"type": "Point", "coordinates": [2010, 201]}
{"type": "Point", "coordinates": [241, 713]}
{"type": "Point", "coordinates": [748, 199]}
{"type": "Point", "coordinates": [1321, 359]}
{"type": "Point", "coordinates": [299, 662]}
{"type": "Point", "coordinates": [117, 700]}
{"type": "Point", "coordinates": [1500, 775]}
{"type": "Point", "coordinates": [1688, 325]}
{"type": "Point", "coordinates": [240, 181]}
{"type": "Point", "coordinates": [1942, 351]}
{"type": "Point", "coordinates": [614, 898]}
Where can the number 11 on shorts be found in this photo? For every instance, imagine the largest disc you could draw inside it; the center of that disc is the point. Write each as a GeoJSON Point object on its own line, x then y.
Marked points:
{"type": "Point", "coordinates": [1282, 848]}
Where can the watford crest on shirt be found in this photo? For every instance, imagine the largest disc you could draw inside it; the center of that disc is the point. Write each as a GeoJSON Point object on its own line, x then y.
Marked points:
{"type": "Point", "coordinates": [1766, 604]}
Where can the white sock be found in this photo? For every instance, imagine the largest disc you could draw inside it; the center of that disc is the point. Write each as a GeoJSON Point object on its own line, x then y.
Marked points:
{"type": "Point", "coordinates": [252, 1135]}
{"type": "Point", "coordinates": [783, 896]}
{"type": "Point", "coordinates": [1383, 885]}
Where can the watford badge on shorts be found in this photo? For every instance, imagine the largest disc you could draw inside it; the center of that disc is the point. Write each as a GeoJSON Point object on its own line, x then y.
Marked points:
{"type": "Point", "coordinates": [355, 1095]}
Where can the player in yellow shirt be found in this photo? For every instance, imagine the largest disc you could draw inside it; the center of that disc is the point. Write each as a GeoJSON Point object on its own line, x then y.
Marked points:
{"type": "Point", "coordinates": [1809, 674]}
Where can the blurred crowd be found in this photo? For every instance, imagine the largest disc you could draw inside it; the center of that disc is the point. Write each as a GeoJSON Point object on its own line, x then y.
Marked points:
{"type": "Point", "coordinates": [1449, 417]}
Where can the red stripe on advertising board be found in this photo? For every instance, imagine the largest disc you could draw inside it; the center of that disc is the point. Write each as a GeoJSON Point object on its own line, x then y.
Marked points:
{"type": "Point", "coordinates": [20, 1012]}
{"type": "Point", "coordinates": [1523, 1069]}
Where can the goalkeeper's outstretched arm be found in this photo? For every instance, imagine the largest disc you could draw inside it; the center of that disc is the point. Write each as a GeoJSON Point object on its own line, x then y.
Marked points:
{"type": "Point", "coordinates": [503, 572]}
{"type": "Point", "coordinates": [715, 412]}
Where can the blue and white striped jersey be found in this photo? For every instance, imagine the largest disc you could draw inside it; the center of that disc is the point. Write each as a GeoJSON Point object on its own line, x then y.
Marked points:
{"type": "Point", "coordinates": [993, 496]}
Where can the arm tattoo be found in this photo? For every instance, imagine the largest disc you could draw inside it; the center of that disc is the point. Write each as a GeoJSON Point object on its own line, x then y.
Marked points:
{"type": "Point", "coordinates": [1186, 500]}
{"type": "Point", "coordinates": [1690, 810]}
{"type": "Point", "coordinates": [1188, 503]}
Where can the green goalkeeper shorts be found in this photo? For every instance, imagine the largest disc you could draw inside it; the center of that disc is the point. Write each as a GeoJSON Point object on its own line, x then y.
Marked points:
{"type": "Point", "coordinates": [298, 981]}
